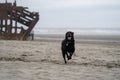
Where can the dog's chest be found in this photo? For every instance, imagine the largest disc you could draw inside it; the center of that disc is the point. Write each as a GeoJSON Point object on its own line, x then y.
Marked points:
{"type": "Point", "coordinates": [68, 43]}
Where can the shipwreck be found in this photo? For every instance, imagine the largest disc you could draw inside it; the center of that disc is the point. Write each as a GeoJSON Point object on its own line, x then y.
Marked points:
{"type": "Point", "coordinates": [16, 22]}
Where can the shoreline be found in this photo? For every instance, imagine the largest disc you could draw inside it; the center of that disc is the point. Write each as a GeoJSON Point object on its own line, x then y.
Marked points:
{"type": "Point", "coordinates": [79, 38]}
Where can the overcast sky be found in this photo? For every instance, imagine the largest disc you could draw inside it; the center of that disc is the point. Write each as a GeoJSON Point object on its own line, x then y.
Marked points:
{"type": "Point", "coordinates": [75, 13]}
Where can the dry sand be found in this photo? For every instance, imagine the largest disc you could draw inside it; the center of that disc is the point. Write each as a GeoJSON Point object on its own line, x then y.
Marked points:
{"type": "Point", "coordinates": [42, 60]}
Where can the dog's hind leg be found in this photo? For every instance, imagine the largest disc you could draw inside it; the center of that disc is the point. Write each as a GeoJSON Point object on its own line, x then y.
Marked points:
{"type": "Point", "coordinates": [68, 56]}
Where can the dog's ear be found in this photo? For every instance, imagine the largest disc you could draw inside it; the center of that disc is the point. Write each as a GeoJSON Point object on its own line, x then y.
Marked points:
{"type": "Point", "coordinates": [66, 35]}
{"type": "Point", "coordinates": [73, 33]}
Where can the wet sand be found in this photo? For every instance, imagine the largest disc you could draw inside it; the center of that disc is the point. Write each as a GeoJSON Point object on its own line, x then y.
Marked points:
{"type": "Point", "coordinates": [42, 60]}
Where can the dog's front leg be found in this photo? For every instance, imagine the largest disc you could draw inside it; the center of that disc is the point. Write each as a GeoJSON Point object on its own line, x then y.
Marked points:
{"type": "Point", "coordinates": [71, 53]}
{"type": "Point", "coordinates": [64, 54]}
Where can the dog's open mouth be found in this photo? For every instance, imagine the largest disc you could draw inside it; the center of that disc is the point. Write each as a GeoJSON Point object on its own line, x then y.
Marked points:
{"type": "Point", "coordinates": [69, 38]}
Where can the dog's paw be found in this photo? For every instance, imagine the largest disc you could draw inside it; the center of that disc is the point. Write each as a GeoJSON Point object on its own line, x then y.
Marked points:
{"type": "Point", "coordinates": [69, 57]}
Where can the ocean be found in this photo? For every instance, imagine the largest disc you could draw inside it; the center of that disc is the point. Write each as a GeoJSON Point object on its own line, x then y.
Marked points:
{"type": "Point", "coordinates": [105, 35]}
{"type": "Point", "coordinates": [83, 31]}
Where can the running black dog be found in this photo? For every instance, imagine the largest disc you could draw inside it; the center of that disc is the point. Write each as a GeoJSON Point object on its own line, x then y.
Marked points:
{"type": "Point", "coordinates": [68, 46]}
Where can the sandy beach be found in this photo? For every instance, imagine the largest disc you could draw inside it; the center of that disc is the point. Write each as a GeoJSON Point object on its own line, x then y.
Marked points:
{"type": "Point", "coordinates": [42, 60]}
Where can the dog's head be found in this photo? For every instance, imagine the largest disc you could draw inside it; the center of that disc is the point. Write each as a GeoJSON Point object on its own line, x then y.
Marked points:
{"type": "Point", "coordinates": [69, 35]}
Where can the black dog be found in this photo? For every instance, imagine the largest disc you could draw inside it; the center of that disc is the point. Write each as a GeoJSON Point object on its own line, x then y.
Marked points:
{"type": "Point", "coordinates": [68, 46]}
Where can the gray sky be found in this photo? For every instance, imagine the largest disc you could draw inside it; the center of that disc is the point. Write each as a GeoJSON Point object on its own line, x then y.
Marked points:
{"type": "Point", "coordinates": [75, 13]}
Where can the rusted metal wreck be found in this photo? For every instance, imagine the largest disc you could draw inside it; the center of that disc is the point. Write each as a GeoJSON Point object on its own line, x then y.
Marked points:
{"type": "Point", "coordinates": [16, 22]}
